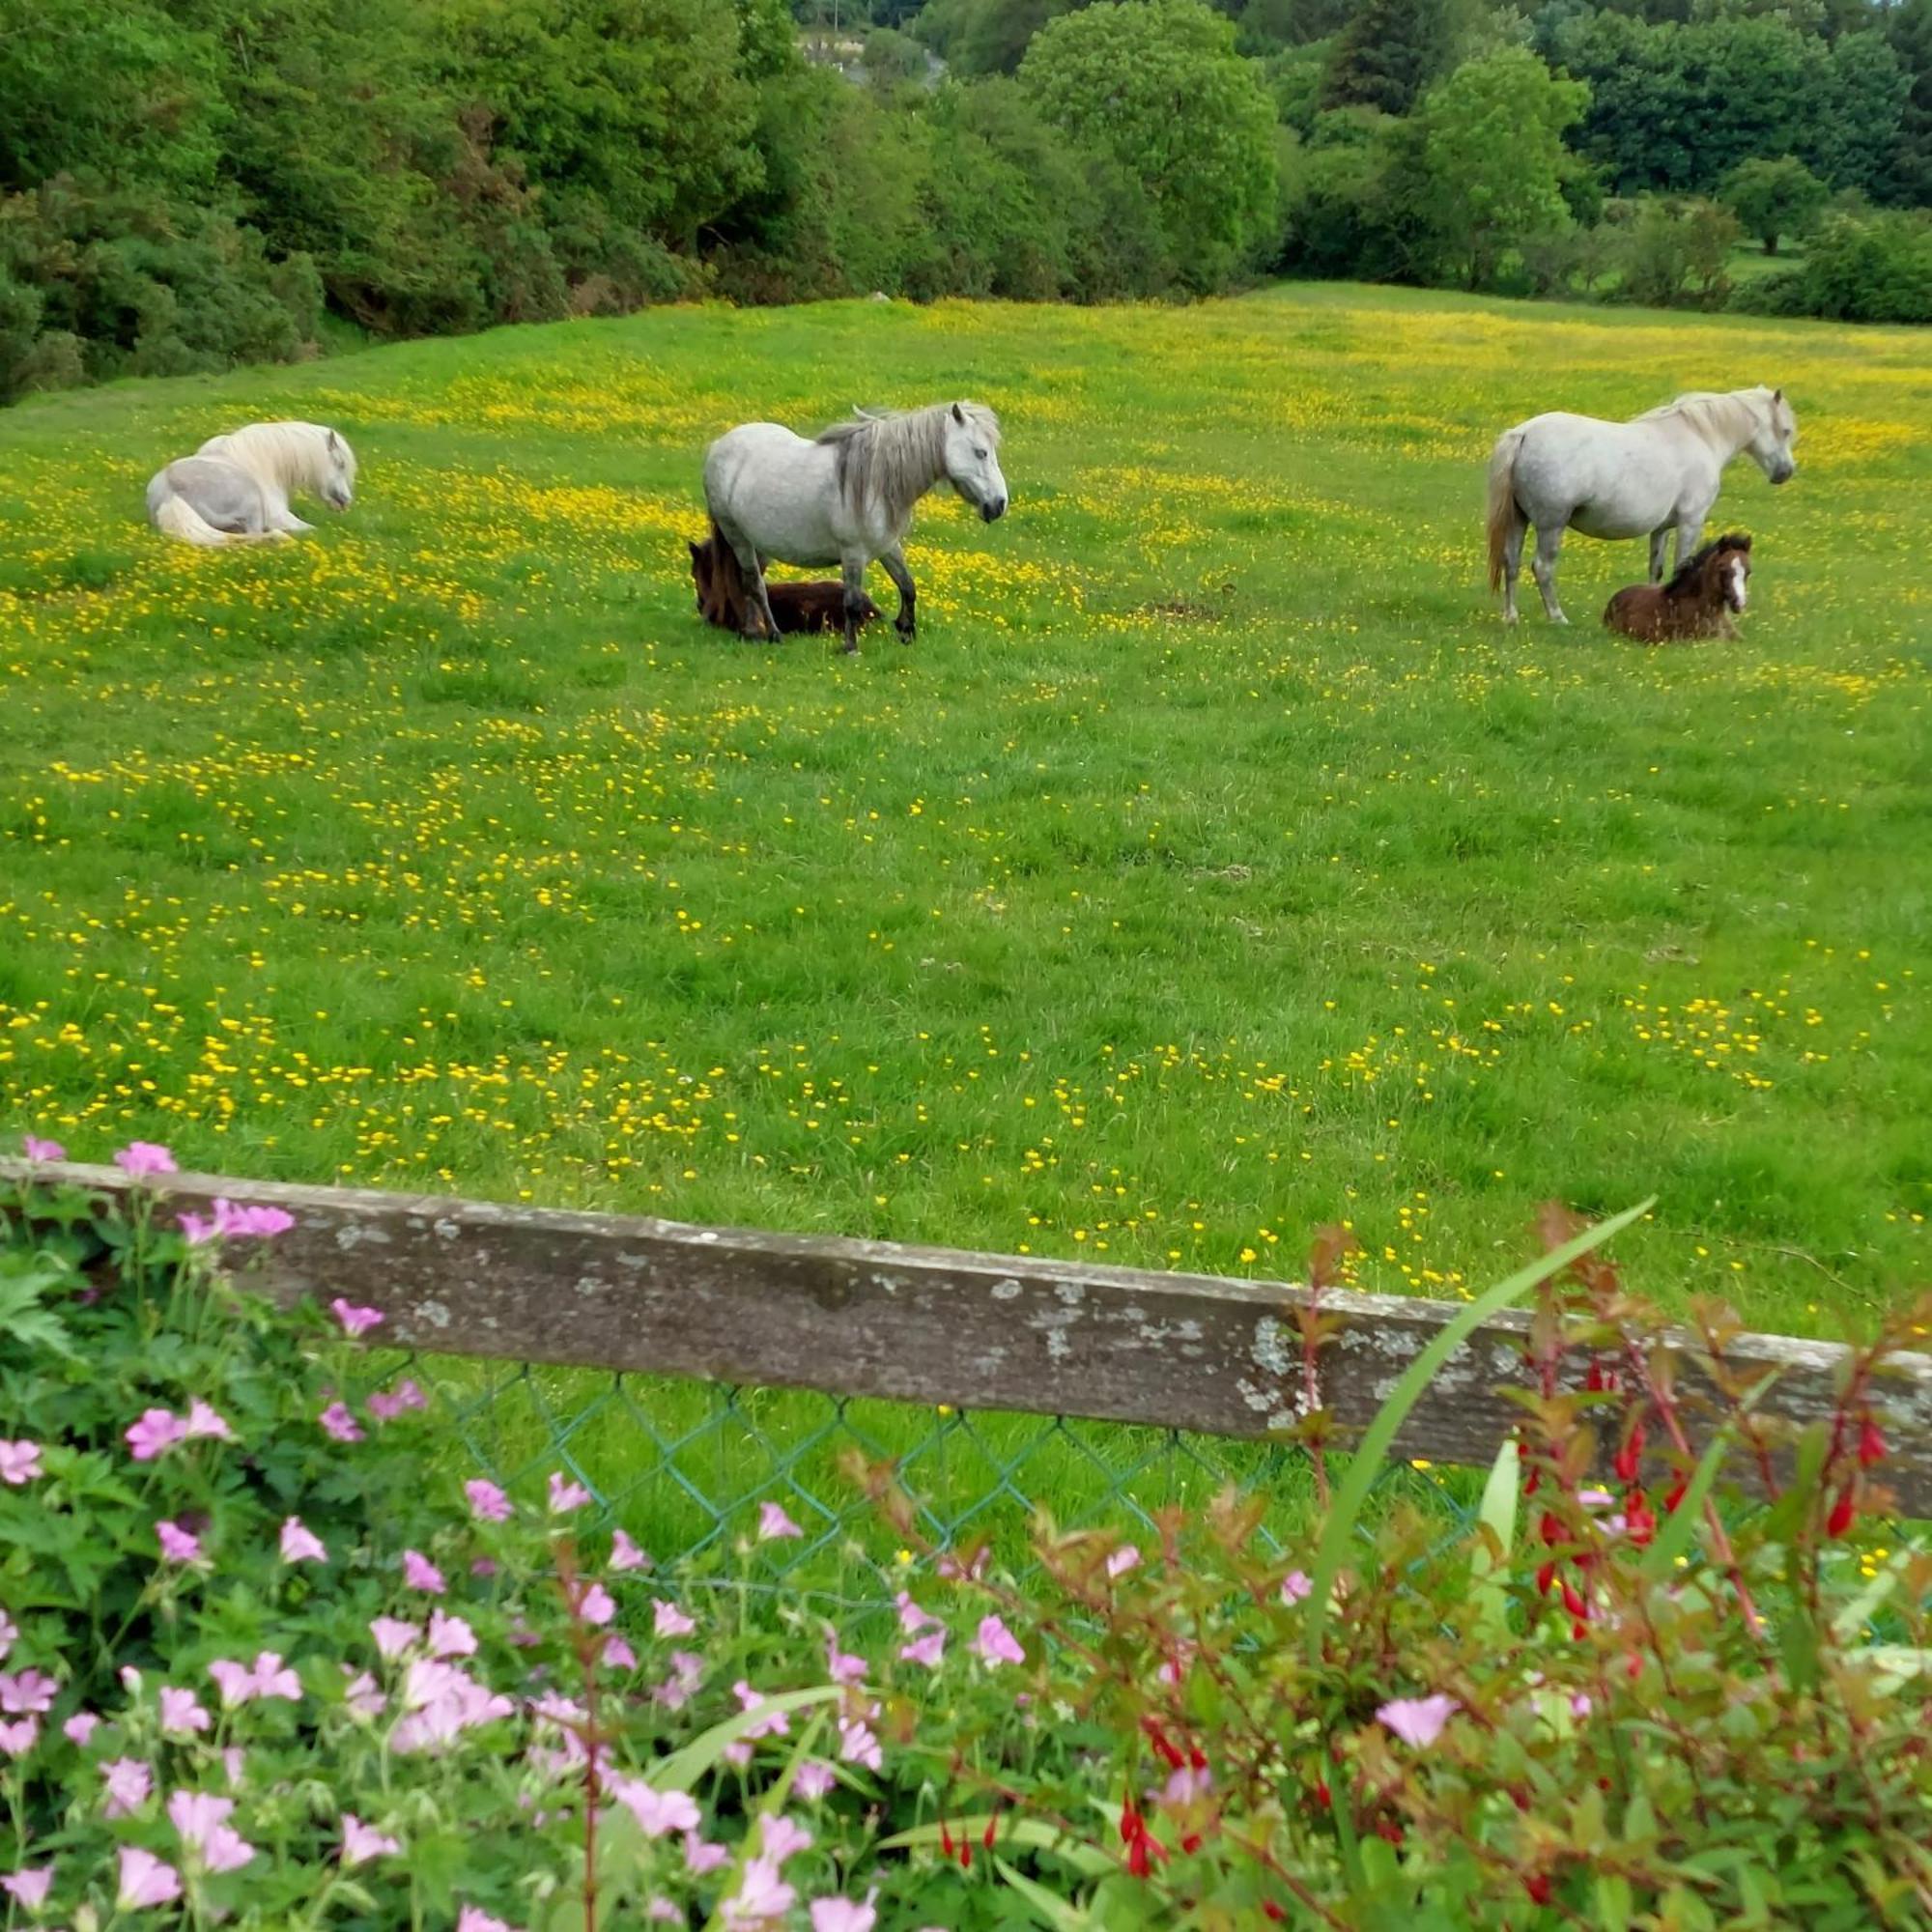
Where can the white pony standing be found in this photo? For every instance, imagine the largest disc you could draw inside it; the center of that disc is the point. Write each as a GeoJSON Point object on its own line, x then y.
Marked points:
{"type": "Point", "coordinates": [1647, 477]}
{"type": "Point", "coordinates": [848, 497]}
{"type": "Point", "coordinates": [236, 489]}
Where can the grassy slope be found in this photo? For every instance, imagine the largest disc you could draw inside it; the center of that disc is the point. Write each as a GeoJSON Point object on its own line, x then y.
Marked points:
{"type": "Point", "coordinates": [1214, 864]}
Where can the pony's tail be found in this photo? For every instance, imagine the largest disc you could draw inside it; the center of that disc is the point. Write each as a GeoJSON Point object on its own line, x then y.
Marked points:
{"type": "Point", "coordinates": [176, 517]}
{"type": "Point", "coordinates": [1503, 512]}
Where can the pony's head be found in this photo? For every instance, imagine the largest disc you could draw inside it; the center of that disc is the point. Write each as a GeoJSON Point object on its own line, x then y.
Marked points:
{"type": "Point", "coordinates": [335, 479]}
{"type": "Point", "coordinates": [1732, 565]}
{"type": "Point", "coordinates": [1776, 431]}
{"type": "Point", "coordinates": [973, 458]}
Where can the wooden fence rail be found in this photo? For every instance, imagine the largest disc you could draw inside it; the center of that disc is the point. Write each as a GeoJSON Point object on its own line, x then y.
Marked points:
{"type": "Point", "coordinates": [927, 1324]}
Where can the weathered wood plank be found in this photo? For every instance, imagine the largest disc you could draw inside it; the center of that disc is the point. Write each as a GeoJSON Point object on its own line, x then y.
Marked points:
{"type": "Point", "coordinates": [923, 1325]}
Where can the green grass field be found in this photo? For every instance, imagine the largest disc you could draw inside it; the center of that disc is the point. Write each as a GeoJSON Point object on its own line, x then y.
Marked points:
{"type": "Point", "coordinates": [1213, 866]}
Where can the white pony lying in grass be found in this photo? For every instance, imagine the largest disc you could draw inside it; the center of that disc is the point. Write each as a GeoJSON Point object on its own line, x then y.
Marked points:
{"type": "Point", "coordinates": [236, 489]}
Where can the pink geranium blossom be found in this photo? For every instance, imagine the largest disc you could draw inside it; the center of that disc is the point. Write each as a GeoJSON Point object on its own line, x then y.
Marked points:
{"type": "Point", "coordinates": [300, 1544]}
{"type": "Point", "coordinates": [565, 1496]}
{"type": "Point", "coordinates": [774, 1522]}
{"type": "Point", "coordinates": [926, 1650]}
{"type": "Point", "coordinates": [364, 1696]}
{"type": "Point", "coordinates": [687, 1672]}
{"type": "Point", "coordinates": [487, 1502]}
{"type": "Point", "coordinates": [594, 1603]}
{"type": "Point", "coordinates": [252, 1224]}
{"type": "Point", "coordinates": [9, 1631]}
{"type": "Point", "coordinates": [29, 1690]}
{"type": "Point", "coordinates": [783, 1837]}
{"type": "Point", "coordinates": [337, 1420]}
{"type": "Point", "coordinates": [387, 1405]}
{"type": "Point", "coordinates": [145, 1879]}
{"type": "Point", "coordinates": [142, 1158]}
{"type": "Point", "coordinates": [157, 1429]}
{"type": "Point", "coordinates": [354, 1321]}
{"type": "Point", "coordinates": [202, 1819]}
{"type": "Point", "coordinates": [36, 1149]}
{"type": "Point", "coordinates": [1126, 1557]}
{"type": "Point", "coordinates": [813, 1779]}
{"type": "Point", "coordinates": [178, 1545]}
{"type": "Point", "coordinates": [772, 1725]}
{"type": "Point", "coordinates": [996, 1643]}
{"type": "Point", "coordinates": [1295, 1585]}
{"type": "Point", "coordinates": [657, 1812]}
{"type": "Point", "coordinates": [267, 1677]}
{"type": "Point", "coordinates": [668, 1620]}
{"type": "Point", "coordinates": [1418, 1720]}
{"type": "Point", "coordinates": [841, 1666]}
{"type": "Point", "coordinates": [625, 1554]}
{"type": "Point", "coordinates": [198, 1229]}
{"type": "Point", "coordinates": [362, 1842]}
{"type": "Point", "coordinates": [421, 1573]}
{"type": "Point", "coordinates": [81, 1726]}
{"type": "Point", "coordinates": [762, 1895]}
{"type": "Point", "coordinates": [858, 1745]}
{"type": "Point", "coordinates": [19, 1463]}
{"type": "Point", "coordinates": [476, 1919]}
{"type": "Point", "coordinates": [29, 1886]}
{"type": "Point", "coordinates": [618, 1655]}
{"type": "Point", "coordinates": [203, 1420]}
{"type": "Point", "coordinates": [439, 1703]}
{"type": "Point", "coordinates": [128, 1782]}
{"type": "Point", "coordinates": [701, 1857]}
{"type": "Point", "coordinates": [913, 1619]}
{"type": "Point", "coordinates": [181, 1712]}
{"type": "Point", "coordinates": [450, 1636]}
{"type": "Point", "coordinates": [19, 1737]}
{"type": "Point", "coordinates": [844, 1914]}
{"type": "Point", "coordinates": [393, 1636]}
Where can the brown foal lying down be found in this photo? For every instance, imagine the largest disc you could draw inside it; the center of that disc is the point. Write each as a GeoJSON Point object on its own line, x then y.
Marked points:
{"type": "Point", "coordinates": [1699, 602]}
{"type": "Point", "coordinates": [816, 606]}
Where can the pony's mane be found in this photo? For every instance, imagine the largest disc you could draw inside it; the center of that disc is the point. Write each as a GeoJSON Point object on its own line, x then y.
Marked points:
{"type": "Point", "coordinates": [1706, 409]}
{"type": "Point", "coordinates": [293, 454]}
{"type": "Point", "coordinates": [892, 458]}
{"type": "Point", "coordinates": [1687, 574]}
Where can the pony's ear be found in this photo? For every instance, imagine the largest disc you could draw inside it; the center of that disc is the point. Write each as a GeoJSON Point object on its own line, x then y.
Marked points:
{"type": "Point", "coordinates": [334, 442]}
{"type": "Point", "coordinates": [1777, 395]}
{"type": "Point", "coordinates": [959, 414]}
{"type": "Point", "coordinates": [696, 549]}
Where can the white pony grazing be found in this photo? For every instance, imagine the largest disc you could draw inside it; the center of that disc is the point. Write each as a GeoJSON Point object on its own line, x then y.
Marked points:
{"type": "Point", "coordinates": [1643, 478]}
{"type": "Point", "coordinates": [236, 489]}
{"type": "Point", "coordinates": [848, 497]}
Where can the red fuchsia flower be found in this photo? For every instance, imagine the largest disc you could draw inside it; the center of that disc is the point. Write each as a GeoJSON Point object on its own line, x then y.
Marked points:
{"type": "Point", "coordinates": [1144, 1850]}
{"type": "Point", "coordinates": [79, 1727]}
{"type": "Point", "coordinates": [844, 1914]}
{"type": "Point", "coordinates": [658, 1813]}
{"type": "Point", "coordinates": [19, 1737]}
{"type": "Point", "coordinates": [128, 1782]}
{"type": "Point", "coordinates": [1871, 1444]}
{"type": "Point", "coordinates": [858, 1745]}
{"type": "Point", "coordinates": [772, 1522]}
{"type": "Point", "coordinates": [393, 1636]}
{"type": "Point", "coordinates": [812, 1779]}
{"type": "Point", "coordinates": [926, 1650]}
{"type": "Point", "coordinates": [28, 1691]}
{"type": "Point", "coordinates": [36, 1149]}
{"type": "Point", "coordinates": [783, 1837]}
{"type": "Point", "coordinates": [841, 1665]}
{"type": "Point", "coordinates": [28, 1887]}
{"type": "Point", "coordinates": [356, 1320]}
{"type": "Point", "coordinates": [178, 1545]}
{"type": "Point", "coordinates": [140, 1159]}
{"type": "Point", "coordinates": [668, 1620]}
{"type": "Point", "coordinates": [421, 1573]}
{"type": "Point", "coordinates": [1126, 1557]}
{"type": "Point", "coordinates": [625, 1554]}
{"type": "Point", "coordinates": [158, 1430]}
{"type": "Point", "coordinates": [145, 1879]}
{"type": "Point", "coordinates": [300, 1544]}
{"type": "Point", "coordinates": [1295, 1585]}
{"type": "Point", "coordinates": [181, 1712]}
{"type": "Point", "coordinates": [762, 1895]}
{"type": "Point", "coordinates": [1844, 1512]}
{"type": "Point", "coordinates": [565, 1496]}
{"type": "Point", "coordinates": [362, 1842]}
{"type": "Point", "coordinates": [337, 1420]}
{"type": "Point", "coordinates": [211, 1843]}
{"type": "Point", "coordinates": [1630, 1456]}
{"type": "Point", "coordinates": [19, 1463]}
{"type": "Point", "coordinates": [1418, 1720]}
{"type": "Point", "coordinates": [487, 1502]}
{"type": "Point", "coordinates": [996, 1643]}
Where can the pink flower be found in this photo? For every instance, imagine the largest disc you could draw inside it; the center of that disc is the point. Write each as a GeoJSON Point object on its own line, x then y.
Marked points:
{"type": "Point", "coordinates": [202, 1420]}
{"type": "Point", "coordinates": [439, 1703]}
{"type": "Point", "coordinates": [773, 1725]}
{"type": "Point", "coordinates": [1581, 1705]}
{"type": "Point", "coordinates": [339, 1423]}
{"type": "Point", "coordinates": [19, 1463]}
{"type": "Point", "coordinates": [393, 1636]}
{"type": "Point", "coordinates": [406, 1395]}
{"type": "Point", "coordinates": [145, 1880]}
{"type": "Point", "coordinates": [762, 1895]}
{"type": "Point", "coordinates": [926, 1650]}
{"type": "Point", "coordinates": [618, 1655]}
{"type": "Point", "coordinates": [774, 1522]}
{"type": "Point", "coordinates": [234, 1761]}
{"type": "Point", "coordinates": [841, 1915]}
{"type": "Point", "coordinates": [139, 1160]}
{"type": "Point", "coordinates": [354, 1321]}
{"type": "Point", "coordinates": [913, 1619]}
{"type": "Point", "coordinates": [813, 1780]}
{"type": "Point", "coordinates": [625, 1554]}
{"type": "Point", "coordinates": [273, 1679]}
{"type": "Point", "coordinates": [1126, 1557]}
{"type": "Point", "coordinates": [668, 1620]}
{"type": "Point", "coordinates": [701, 1857]}
{"type": "Point", "coordinates": [1295, 1585]}
{"type": "Point", "coordinates": [300, 1544]}
{"type": "Point", "coordinates": [487, 1502]}
{"type": "Point", "coordinates": [450, 1636]}
{"type": "Point", "coordinates": [36, 1149]}
{"type": "Point", "coordinates": [81, 1726]}
{"type": "Point", "coordinates": [243, 1683]}
{"type": "Point", "coordinates": [783, 1837]}
{"type": "Point", "coordinates": [199, 1229]}
{"type": "Point", "coordinates": [182, 1714]}
{"type": "Point", "coordinates": [841, 1665]}
{"type": "Point", "coordinates": [1185, 1786]}
{"type": "Point", "coordinates": [201, 1820]}
{"type": "Point", "coordinates": [128, 1782]}
{"type": "Point", "coordinates": [29, 1888]}
{"type": "Point", "coordinates": [657, 1812]}
{"type": "Point", "coordinates": [687, 1672]}
{"type": "Point", "coordinates": [9, 1631]}
{"type": "Point", "coordinates": [473, 1919]}
{"type": "Point", "coordinates": [362, 1697]}
{"type": "Point", "coordinates": [595, 1604]}
{"type": "Point", "coordinates": [178, 1546]}
{"type": "Point", "coordinates": [421, 1573]}
{"type": "Point", "coordinates": [158, 1429]}
{"type": "Point", "coordinates": [566, 1496]}
{"type": "Point", "coordinates": [1418, 1720]}
{"type": "Point", "coordinates": [252, 1224]}
{"type": "Point", "coordinates": [361, 1842]}
{"type": "Point", "coordinates": [996, 1643]}
{"type": "Point", "coordinates": [29, 1690]}
{"type": "Point", "coordinates": [19, 1737]}
{"type": "Point", "coordinates": [857, 1743]}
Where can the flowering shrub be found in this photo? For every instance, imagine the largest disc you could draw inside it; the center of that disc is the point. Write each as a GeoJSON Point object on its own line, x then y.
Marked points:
{"type": "Point", "coordinates": [270, 1654]}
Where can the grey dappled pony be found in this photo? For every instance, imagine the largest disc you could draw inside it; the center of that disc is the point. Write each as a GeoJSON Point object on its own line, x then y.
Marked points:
{"type": "Point", "coordinates": [236, 489]}
{"type": "Point", "coordinates": [1647, 477]}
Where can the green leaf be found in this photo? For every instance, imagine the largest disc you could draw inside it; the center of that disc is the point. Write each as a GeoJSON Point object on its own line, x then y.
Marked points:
{"type": "Point", "coordinates": [682, 1769]}
{"type": "Point", "coordinates": [1368, 1460]}
{"type": "Point", "coordinates": [1614, 1902]}
{"type": "Point", "coordinates": [1053, 1911]}
{"type": "Point", "coordinates": [1675, 1536]}
{"type": "Point", "coordinates": [1489, 1600]}
{"type": "Point", "coordinates": [1035, 1834]}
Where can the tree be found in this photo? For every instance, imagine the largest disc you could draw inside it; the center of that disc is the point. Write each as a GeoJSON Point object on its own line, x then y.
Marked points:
{"type": "Point", "coordinates": [1908, 178]}
{"type": "Point", "coordinates": [1389, 51]}
{"type": "Point", "coordinates": [1158, 84]}
{"type": "Point", "coordinates": [1493, 145]}
{"type": "Point", "coordinates": [1773, 198]}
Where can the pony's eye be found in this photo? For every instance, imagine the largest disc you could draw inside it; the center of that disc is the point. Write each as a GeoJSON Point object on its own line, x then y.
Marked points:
{"type": "Point", "coordinates": [981, 454]}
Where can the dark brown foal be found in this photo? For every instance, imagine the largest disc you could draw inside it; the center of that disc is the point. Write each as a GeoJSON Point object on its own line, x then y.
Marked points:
{"type": "Point", "coordinates": [815, 606]}
{"type": "Point", "coordinates": [1701, 601]}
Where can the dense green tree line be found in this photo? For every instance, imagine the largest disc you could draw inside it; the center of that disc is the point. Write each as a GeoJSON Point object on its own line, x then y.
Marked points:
{"type": "Point", "coordinates": [187, 183]}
